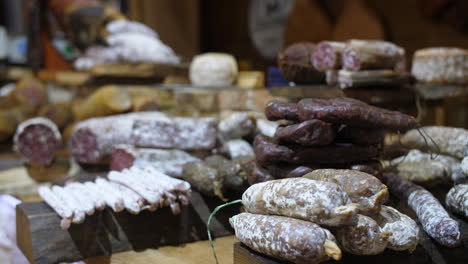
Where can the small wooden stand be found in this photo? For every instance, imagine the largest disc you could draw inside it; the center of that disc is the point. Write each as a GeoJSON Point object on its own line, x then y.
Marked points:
{"type": "Point", "coordinates": [43, 241]}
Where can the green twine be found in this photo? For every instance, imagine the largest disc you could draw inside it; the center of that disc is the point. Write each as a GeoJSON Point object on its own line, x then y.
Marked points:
{"type": "Point", "coordinates": [209, 221]}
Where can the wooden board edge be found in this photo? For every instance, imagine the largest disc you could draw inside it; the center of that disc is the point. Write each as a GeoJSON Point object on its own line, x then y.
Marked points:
{"type": "Point", "coordinates": [23, 233]}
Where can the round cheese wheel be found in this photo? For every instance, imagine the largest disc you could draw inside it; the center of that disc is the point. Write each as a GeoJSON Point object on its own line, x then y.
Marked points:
{"type": "Point", "coordinates": [213, 69]}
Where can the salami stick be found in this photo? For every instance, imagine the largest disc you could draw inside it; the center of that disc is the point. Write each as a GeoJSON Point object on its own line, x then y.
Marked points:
{"type": "Point", "coordinates": [277, 110]}
{"type": "Point", "coordinates": [59, 206]}
{"type": "Point", "coordinates": [82, 198]}
{"type": "Point", "coordinates": [362, 188]}
{"type": "Point", "coordinates": [98, 202]}
{"type": "Point", "coordinates": [457, 199]}
{"type": "Point", "coordinates": [110, 196]}
{"type": "Point", "coordinates": [373, 54]}
{"type": "Point", "coordinates": [327, 55]}
{"type": "Point", "coordinates": [433, 217]}
{"type": "Point", "coordinates": [236, 125]}
{"type": "Point", "coordinates": [170, 162]}
{"type": "Point", "coordinates": [266, 128]}
{"type": "Point", "coordinates": [286, 238]}
{"type": "Point", "coordinates": [133, 202]}
{"type": "Point", "coordinates": [362, 236]}
{"type": "Point", "coordinates": [319, 202]}
{"type": "Point", "coordinates": [308, 133]}
{"type": "Point", "coordinates": [296, 65]}
{"type": "Point", "coordinates": [72, 203]}
{"type": "Point", "coordinates": [267, 152]}
{"type": "Point", "coordinates": [360, 136]}
{"type": "Point", "coordinates": [405, 231]}
{"type": "Point", "coordinates": [94, 139]}
{"type": "Point", "coordinates": [131, 181]}
{"type": "Point", "coordinates": [37, 140]}
{"type": "Point", "coordinates": [354, 113]}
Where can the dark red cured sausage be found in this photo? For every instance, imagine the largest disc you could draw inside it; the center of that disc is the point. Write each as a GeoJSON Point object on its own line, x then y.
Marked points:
{"type": "Point", "coordinates": [296, 66]}
{"type": "Point", "coordinates": [267, 152]}
{"type": "Point", "coordinates": [280, 171]}
{"type": "Point", "coordinates": [374, 54]}
{"type": "Point", "coordinates": [307, 133]}
{"type": "Point", "coordinates": [354, 113]}
{"type": "Point", "coordinates": [360, 135]}
{"type": "Point", "coordinates": [277, 110]}
{"type": "Point", "coordinates": [327, 55]}
{"type": "Point", "coordinates": [37, 140]}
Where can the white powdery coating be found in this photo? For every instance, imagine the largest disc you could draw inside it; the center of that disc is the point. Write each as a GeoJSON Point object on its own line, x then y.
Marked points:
{"type": "Point", "coordinates": [301, 198]}
{"type": "Point", "coordinates": [55, 202]}
{"type": "Point", "coordinates": [37, 121]}
{"type": "Point", "coordinates": [417, 166]}
{"type": "Point", "coordinates": [98, 202]}
{"type": "Point", "coordinates": [133, 202]}
{"type": "Point", "coordinates": [134, 182]}
{"type": "Point", "coordinates": [286, 238]}
{"type": "Point", "coordinates": [457, 199]}
{"type": "Point", "coordinates": [123, 26]}
{"type": "Point", "coordinates": [434, 219]}
{"type": "Point", "coordinates": [213, 69]}
{"type": "Point", "coordinates": [236, 125]}
{"type": "Point", "coordinates": [238, 148]}
{"type": "Point", "coordinates": [112, 198]}
{"type": "Point", "coordinates": [79, 212]}
{"type": "Point", "coordinates": [266, 127]}
{"type": "Point", "coordinates": [170, 162]}
{"type": "Point", "coordinates": [450, 140]}
{"type": "Point", "coordinates": [464, 165]}
{"type": "Point", "coordinates": [86, 202]}
{"type": "Point", "coordinates": [441, 65]}
{"type": "Point", "coordinates": [405, 231]}
{"type": "Point", "coordinates": [378, 46]}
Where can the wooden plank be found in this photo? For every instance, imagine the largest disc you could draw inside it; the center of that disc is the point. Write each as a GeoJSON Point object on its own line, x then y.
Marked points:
{"type": "Point", "coordinates": [43, 241]}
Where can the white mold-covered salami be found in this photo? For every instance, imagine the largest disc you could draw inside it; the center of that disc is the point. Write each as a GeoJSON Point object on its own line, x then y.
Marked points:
{"type": "Point", "coordinates": [286, 238]}
{"type": "Point", "coordinates": [323, 203]}
{"type": "Point", "coordinates": [441, 65]}
{"type": "Point", "coordinates": [133, 202]}
{"type": "Point", "coordinates": [449, 140]}
{"type": "Point", "coordinates": [362, 236]}
{"type": "Point", "coordinates": [84, 200]}
{"type": "Point", "coordinates": [37, 140]}
{"type": "Point", "coordinates": [266, 128]}
{"type": "Point", "coordinates": [362, 188]}
{"type": "Point", "coordinates": [405, 231]}
{"type": "Point", "coordinates": [236, 125]}
{"type": "Point", "coordinates": [457, 199]}
{"type": "Point", "coordinates": [112, 198]}
{"type": "Point", "coordinates": [55, 201]}
{"type": "Point", "coordinates": [170, 162]}
{"type": "Point", "coordinates": [421, 167]}
{"type": "Point", "coordinates": [238, 148]}
{"type": "Point", "coordinates": [96, 198]}
{"type": "Point", "coordinates": [94, 139]}
{"type": "Point", "coordinates": [432, 215]}
{"type": "Point", "coordinates": [133, 182]}
{"type": "Point", "coordinates": [373, 54]}
{"type": "Point", "coordinates": [79, 211]}
{"type": "Point", "coordinates": [464, 168]}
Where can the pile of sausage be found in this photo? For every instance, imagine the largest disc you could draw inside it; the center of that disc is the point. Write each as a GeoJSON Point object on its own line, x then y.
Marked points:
{"type": "Point", "coordinates": [133, 189]}
{"type": "Point", "coordinates": [331, 133]}
{"type": "Point", "coordinates": [313, 218]}
{"type": "Point", "coordinates": [337, 62]}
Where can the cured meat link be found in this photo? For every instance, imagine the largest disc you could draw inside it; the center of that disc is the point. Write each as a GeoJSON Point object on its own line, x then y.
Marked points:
{"type": "Point", "coordinates": [362, 188]}
{"type": "Point", "coordinates": [84, 200]}
{"type": "Point", "coordinates": [308, 133]}
{"type": "Point", "coordinates": [37, 141]}
{"type": "Point", "coordinates": [267, 152]}
{"type": "Point", "coordinates": [72, 203]}
{"type": "Point", "coordinates": [277, 110]}
{"type": "Point", "coordinates": [457, 199]}
{"type": "Point", "coordinates": [110, 196]}
{"type": "Point", "coordinates": [368, 55]}
{"type": "Point", "coordinates": [432, 215]}
{"type": "Point", "coordinates": [98, 202]}
{"type": "Point", "coordinates": [362, 236]}
{"type": "Point", "coordinates": [353, 112]}
{"type": "Point", "coordinates": [327, 55]}
{"type": "Point", "coordinates": [322, 203]}
{"type": "Point", "coordinates": [296, 66]}
{"type": "Point", "coordinates": [360, 136]}
{"type": "Point", "coordinates": [286, 238]}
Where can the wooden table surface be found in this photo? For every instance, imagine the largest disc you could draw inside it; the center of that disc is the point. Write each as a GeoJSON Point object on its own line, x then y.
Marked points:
{"type": "Point", "coordinates": [191, 253]}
